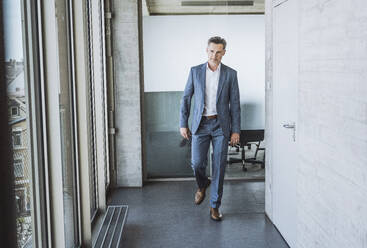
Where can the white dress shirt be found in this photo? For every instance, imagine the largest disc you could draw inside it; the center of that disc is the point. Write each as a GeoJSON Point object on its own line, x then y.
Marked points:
{"type": "Point", "coordinates": [211, 87]}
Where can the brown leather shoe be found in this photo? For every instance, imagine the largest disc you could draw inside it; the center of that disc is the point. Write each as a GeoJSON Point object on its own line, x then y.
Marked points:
{"type": "Point", "coordinates": [215, 215]}
{"type": "Point", "coordinates": [200, 194]}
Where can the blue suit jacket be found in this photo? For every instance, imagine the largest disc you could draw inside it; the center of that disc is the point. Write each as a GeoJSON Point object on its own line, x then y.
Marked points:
{"type": "Point", "coordinates": [228, 99]}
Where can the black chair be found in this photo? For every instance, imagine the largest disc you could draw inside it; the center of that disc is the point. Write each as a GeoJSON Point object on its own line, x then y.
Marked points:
{"type": "Point", "coordinates": [247, 137]}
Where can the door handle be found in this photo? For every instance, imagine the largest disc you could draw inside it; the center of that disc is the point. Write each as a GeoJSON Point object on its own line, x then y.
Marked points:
{"type": "Point", "coordinates": [287, 125]}
{"type": "Point", "coordinates": [291, 126]}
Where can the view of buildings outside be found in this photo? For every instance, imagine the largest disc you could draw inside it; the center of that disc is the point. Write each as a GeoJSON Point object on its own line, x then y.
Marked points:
{"type": "Point", "coordinates": [21, 161]}
{"type": "Point", "coordinates": [17, 105]}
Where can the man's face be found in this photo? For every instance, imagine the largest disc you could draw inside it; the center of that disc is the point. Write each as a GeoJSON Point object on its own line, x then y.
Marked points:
{"type": "Point", "coordinates": [215, 53]}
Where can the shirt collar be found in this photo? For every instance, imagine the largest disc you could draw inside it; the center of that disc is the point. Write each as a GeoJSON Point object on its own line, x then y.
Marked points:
{"type": "Point", "coordinates": [218, 68]}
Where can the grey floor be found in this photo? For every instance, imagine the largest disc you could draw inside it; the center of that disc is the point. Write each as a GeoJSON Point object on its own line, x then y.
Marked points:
{"type": "Point", "coordinates": [162, 214]}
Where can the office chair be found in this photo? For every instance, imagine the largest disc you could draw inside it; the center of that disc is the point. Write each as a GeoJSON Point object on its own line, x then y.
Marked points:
{"type": "Point", "coordinates": [248, 137]}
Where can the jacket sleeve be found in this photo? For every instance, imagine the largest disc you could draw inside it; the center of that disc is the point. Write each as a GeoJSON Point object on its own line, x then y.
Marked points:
{"type": "Point", "coordinates": [235, 108]}
{"type": "Point", "coordinates": [186, 101]}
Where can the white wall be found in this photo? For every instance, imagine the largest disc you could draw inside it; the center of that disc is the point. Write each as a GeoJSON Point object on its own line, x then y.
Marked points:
{"type": "Point", "coordinates": [332, 172]}
{"type": "Point", "coordinates": [172, 44]}
{"type": "Point", "coordinates": [332, 124]}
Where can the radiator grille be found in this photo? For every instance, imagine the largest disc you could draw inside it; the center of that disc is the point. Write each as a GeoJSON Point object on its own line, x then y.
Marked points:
{"type": "Point", "coordinates": [110, 232]}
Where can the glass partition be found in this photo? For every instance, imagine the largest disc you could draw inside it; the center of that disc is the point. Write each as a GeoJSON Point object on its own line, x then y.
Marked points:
{"type": "Point", "coordinates": [172, 45]}
{"type": "Point", "coordinates": [167, 153]}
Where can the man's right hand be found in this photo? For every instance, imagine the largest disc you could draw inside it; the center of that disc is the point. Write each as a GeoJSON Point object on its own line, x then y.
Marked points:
{"type": "Point", "coordinates": [185, 132]}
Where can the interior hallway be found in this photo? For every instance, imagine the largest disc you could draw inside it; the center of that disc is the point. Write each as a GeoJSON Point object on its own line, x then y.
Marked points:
{"type": "Point", "coordinates": [73, 123]}
{"type": "Point", "coordinates": [163, 214]}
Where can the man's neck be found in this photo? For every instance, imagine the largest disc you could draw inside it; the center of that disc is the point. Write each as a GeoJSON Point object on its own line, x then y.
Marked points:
{"type": "Point", "coordinates": [213, 67]}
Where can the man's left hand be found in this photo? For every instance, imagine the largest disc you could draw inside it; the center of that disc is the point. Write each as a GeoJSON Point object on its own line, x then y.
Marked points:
{"type": "Point", "coordinates": [235, 139]}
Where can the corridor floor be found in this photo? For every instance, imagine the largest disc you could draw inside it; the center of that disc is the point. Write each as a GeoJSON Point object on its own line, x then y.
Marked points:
{"type": "Point", "coordinates": [163, 214]}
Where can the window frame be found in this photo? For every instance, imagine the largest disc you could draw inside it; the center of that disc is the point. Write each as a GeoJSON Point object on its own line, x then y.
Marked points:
{"type": "Point", "coordinates": [43, 59]}
{"type": "Point", "coordinates": [11, 111]}
{"type": "Point", "coordinates": [22, 166]}
{"type": "Point", "coordinates": [35, 115]}
{"type": "Point", "coordinates": [17, 134]}
{"type": "Point", "coordinates": [98, 95]}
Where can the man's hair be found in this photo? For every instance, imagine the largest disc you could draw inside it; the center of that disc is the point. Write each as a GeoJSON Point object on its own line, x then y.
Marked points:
{"type": "Point", "coordinates": [218, 40]}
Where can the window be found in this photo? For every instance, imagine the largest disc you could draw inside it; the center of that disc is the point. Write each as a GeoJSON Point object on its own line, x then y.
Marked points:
{"type": "Point", "coordinates": [51, 172]}
{"type": "Point", "coordinates": [16, 81]}
{"type": "Point", "coordinates": [18, 168]}
{"type": "Point", "coordinates": [20, 201]}
{"type": "Point", "coordinates": [14, 111]}
{"type": "Point", "coordinates": [17, 139]}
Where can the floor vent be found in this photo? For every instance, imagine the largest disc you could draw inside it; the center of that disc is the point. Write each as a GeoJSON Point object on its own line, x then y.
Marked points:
{"type": "Point", "coordinates": [110, 233]}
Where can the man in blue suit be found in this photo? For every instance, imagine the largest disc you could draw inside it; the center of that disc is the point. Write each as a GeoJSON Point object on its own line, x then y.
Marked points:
{"type": "Point", "coordinates": [216, 118]}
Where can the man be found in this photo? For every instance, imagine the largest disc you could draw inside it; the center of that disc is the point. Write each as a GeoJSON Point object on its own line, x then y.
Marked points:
{"type": "Point", "coordinates": [216, 118]}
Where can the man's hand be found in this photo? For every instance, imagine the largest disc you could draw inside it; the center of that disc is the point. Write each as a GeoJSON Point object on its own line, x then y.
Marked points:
{"type": "Point", "coordinates": [185, 132]}
{"type": "Point", "coordinates": [235, 139]}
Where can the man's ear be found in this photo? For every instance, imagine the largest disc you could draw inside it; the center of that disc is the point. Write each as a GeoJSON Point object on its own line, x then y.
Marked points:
{"type": "Point", "coordinates": [224, 52]}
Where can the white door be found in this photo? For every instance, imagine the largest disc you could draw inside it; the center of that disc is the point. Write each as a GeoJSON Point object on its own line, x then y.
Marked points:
{"type": "Point", "coordinates": [285, 73]}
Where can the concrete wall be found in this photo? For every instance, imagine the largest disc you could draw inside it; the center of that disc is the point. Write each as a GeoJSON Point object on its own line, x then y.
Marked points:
{"type": "Point", "coordinates": [127, 69]}
{"type": "Point", "coordinates": [332, 172]}
{"type": "Point", "coordinates": [332, 124]}
{"type": "Point", "coordinates": [172, 44]}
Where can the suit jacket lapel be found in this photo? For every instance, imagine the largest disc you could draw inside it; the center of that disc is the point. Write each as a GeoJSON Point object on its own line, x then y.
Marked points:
{"type": "Point", "coordinates": [221, 81]}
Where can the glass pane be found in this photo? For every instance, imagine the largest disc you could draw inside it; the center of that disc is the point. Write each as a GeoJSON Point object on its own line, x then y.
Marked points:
{"type": "Point", "coordinates": [68, 165]}
{"type": "Point", "coordinates": [69, 162]}
{"type": "Point", "coordinates": [173, 44]}
{"type": "Point", "coordinates": [18, 120]}
{"type": "Point", "coordinates": [163, 142]}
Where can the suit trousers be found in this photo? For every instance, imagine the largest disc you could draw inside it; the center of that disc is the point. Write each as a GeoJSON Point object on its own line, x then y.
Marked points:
{"type": "Point", "coordinates": [210, 130]}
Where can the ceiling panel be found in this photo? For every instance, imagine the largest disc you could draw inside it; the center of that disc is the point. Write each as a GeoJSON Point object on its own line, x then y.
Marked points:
{"type": "Point", "coordinates": [174, 7]}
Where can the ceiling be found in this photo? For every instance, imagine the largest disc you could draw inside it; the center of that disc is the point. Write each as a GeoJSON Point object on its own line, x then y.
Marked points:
{"type": "Point", "coordinates": [202, 7]}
